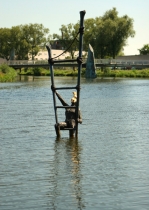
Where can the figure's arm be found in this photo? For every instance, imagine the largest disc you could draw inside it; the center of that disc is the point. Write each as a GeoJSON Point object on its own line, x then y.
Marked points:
{"type": "Point", "coordinates": [61, 99]}
{"type": "Point", "coordinates": [80, 117]}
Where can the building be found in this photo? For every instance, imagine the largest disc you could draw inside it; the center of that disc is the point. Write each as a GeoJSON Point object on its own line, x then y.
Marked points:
{"type": "Point", "coordinates": [43, 55]}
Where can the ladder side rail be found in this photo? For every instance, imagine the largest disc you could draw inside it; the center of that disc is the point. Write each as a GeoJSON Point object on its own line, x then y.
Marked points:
{"type": "Point", "coordinates": [82, 14]}
{"type": "Point", "coordinates": [52, 80]}
{"type": "Point", "coordinates": [54, 97]}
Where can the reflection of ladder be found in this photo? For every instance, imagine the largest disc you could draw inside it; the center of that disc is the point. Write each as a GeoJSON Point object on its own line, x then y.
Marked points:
{"type": "Point", "coordinates": [72, 131]}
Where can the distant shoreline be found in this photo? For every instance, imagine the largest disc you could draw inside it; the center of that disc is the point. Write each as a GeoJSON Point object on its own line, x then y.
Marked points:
{"type": "Point", "coordinates": [107, 72]}
{"type": "Point", "coordinates": [10, 76]}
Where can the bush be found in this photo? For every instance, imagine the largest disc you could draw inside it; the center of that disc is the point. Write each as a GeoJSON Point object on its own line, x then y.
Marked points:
{"type": "Point", "coordinates": [7, 74]}
{"type": "Point", "coordinates": [4, 68]}
{"type": "Point", "coordinates": [36, 71]}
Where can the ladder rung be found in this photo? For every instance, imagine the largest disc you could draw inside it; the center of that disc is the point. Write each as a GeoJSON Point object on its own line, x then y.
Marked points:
{"type": "Point", "coordinates": [67, 129]}
{"type": "Point", "coordinates": [64, 88]}
{"type": "Point", "coordinates": [74, 107]}
{"type": "Point", "coordinates": [65, 61]}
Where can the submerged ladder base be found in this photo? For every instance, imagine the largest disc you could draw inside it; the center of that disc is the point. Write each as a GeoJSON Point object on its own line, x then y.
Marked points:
{"type": "Point", "coordinates": [72, 131]}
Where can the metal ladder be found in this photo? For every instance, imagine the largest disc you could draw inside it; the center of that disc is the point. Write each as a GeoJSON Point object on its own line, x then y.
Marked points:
{"type": "Point", "coordinates": [77, 87]}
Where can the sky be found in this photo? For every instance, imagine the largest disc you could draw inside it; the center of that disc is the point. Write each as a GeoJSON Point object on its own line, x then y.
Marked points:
{"type": "Point", "coordinates": [52, 14]}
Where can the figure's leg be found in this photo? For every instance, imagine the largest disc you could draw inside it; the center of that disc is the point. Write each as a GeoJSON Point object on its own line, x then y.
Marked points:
{"type": "Point", "coordinates": [57, 129]}
{"type": "Point", "coordinates": [60, 126]}
{"type": "Point", "coordinates": [72, 133]}
{"type": "Point", "coordinates": [72, 124]}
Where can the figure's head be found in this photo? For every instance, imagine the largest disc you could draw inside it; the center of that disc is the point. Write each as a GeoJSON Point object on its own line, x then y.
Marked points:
{"type": "Point", "coordinates": [73, 100]}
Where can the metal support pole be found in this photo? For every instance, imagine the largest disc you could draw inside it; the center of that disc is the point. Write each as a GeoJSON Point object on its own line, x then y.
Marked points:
{"type": "Point", "coordinates": [52, 80]}
{"type": "Point", "coordinates": [82, 14]}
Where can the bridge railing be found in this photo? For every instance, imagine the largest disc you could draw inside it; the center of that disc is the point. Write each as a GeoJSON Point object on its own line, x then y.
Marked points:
{"type": "Point", "coordinates": [26, 62]}
{"type": "Point", "coordinates": [118, 61]}
{"type": "Point", "coordinates": [122, 62]}
{"type": "Point", "coordinates": [97, 61]}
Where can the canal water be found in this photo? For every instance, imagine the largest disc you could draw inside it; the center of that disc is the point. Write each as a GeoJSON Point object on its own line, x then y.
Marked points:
{"type": "Point", "coordinates": [106, 168]}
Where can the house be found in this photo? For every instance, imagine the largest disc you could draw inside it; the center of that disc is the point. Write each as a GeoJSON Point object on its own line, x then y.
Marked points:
{"type": "Point", "coordinates": [56, 54]}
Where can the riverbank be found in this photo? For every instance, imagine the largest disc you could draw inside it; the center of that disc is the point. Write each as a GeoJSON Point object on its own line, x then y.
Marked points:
{"type": "Point", "coordinates": [8, 74]}
{"type": "Point", "coordinates": [107, 72]}
{"type": "Point", "coordinates": [144, 73]}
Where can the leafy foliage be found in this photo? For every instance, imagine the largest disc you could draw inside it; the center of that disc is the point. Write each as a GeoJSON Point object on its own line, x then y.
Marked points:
{"type": "Point", "coordinates": [7, 74]}
{"type": "Point", "coordinates": [107, 34]}
{"type": "Point", "coordinates": [144, 50]}
{"type": "Point", "coordinates": [21, 40]}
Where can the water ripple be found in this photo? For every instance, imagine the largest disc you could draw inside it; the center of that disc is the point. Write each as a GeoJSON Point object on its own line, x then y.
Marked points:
{"type": "Point", "coordinates": [105, 168]}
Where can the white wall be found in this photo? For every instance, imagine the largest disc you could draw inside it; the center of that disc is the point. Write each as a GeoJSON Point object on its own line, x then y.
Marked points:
{"type": "Point", "coordinates": [43, 55]}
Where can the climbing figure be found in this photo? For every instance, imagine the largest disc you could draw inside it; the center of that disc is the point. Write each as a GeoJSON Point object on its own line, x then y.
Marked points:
{"type": "Point", "coordinates": [70, 114]}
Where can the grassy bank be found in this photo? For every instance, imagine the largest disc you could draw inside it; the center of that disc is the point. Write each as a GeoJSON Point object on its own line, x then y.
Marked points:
{"type": "Point", "coordinates": [107, 72]}
{"type": "Point", "coordinates": [144, 73]}
{"type": "Point", "coordinates": [7, 74]}
{"type": "Point", "coordinates": [38, 71]}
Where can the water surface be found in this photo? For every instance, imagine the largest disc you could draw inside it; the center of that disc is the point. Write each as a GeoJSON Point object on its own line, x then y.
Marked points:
{"type": "Point", "coordinates": [105, 168]}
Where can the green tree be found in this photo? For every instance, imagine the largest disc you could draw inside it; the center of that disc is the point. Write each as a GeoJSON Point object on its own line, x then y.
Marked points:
{"type": "Point", "coordinates": [112, 34]}
{"type": "Point", "coordinates": [144, 50]}
{"type": "Point", "coordinates": [5, 45]}
{"type": "Point", "coordinates": [22, 40]}
{"type": "Point", "coordinates": [108, 34]}
{"type": "Point", "coordinates": [90, 32]}
{"type": "Point", "coordinates": [33, 36]}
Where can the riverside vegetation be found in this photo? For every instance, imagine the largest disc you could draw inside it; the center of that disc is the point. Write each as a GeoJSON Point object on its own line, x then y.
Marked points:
{"type": "Point", "coordinates": [8, 74]}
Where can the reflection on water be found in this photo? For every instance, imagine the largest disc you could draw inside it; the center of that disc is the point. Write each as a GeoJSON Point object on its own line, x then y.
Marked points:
{"type": "Point", "coordinates": [67, 175]}
{"type": "Point", "coordinates": [105, 168]}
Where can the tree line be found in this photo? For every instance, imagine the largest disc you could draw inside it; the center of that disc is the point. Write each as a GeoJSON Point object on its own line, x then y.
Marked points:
{"type": "Point", "coordinates": [107, 35]}
{"type": "Point", "coordinates": [21, 40]}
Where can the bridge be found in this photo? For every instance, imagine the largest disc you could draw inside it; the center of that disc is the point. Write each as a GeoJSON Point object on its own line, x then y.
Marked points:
{"type": "Point", "coordinates": [113, 63]}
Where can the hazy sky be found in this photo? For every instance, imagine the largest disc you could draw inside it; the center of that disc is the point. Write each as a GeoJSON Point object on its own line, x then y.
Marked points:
{"type": "Point", "coordinates": [52, 14]}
